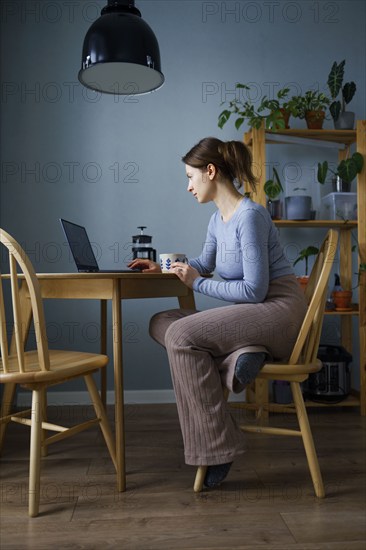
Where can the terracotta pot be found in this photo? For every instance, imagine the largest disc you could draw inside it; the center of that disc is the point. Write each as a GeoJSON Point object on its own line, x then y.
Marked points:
{"type": "Point", "coordinates": [315, 119]}
{"type": "Point", "coordinates": [286, 117]}
{"type": "Point", "coordinates": [342, 299]}
{"type": "Point", "coordinates": [303, 281]}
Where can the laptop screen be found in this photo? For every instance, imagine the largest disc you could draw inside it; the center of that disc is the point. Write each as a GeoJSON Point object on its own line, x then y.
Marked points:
{"type": "Point", "coordinates": [80, 246]}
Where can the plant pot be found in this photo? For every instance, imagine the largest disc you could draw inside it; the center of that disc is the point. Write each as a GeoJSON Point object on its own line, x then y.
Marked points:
{"type": "Point", "coordinates": [345, 121]}
{"type": "Point", "coordinates": [282, 392]}
{"type": "Point", "coordinates": [286, 117]}
{"type": "Point", "coordinates": [342, 299]}
{"type": "Point", "coordinates": [274, 207]}
{"type": "Point", "coordinates": [314, 119]}
{"type": "Point", "coordinates": [298, 208]}
{"type": "Point", "coordinates": [340, 186]}
{"type": "Point", "coordinates": [303, 281]}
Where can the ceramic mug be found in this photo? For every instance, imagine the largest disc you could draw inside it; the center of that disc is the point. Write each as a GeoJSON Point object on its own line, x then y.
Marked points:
{"type": "Point", "coordinates": [166, 260]}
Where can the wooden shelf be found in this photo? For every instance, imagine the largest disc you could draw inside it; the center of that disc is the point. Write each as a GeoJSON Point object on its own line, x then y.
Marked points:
{"type": "Point", "coordinates": [340, 137]}
{"type": "Point", "coordinates": [337, 224]}
{"type": "Point", "coordinates": [342, 140]}
{"type": "Point", "coordinates": [350, 401]}
{"type": "Point", "coordinates": [354, 311]}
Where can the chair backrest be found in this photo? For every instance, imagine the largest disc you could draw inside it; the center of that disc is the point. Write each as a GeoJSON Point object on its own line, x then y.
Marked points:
{"type": "Point", "coordinates": [307, 343]}
{"type": "Point", "coordinates": [17, 257]}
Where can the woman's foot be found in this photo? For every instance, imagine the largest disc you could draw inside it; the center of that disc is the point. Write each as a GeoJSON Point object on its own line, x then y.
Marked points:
{"type": "Point", "coordinates": [248, 366]}
{"type": "Point", "coordinates": [216, 474]}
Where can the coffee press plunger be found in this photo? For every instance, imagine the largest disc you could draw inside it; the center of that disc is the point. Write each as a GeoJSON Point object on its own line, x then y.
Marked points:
{"type": "Point", "coordinates": [142, 246]}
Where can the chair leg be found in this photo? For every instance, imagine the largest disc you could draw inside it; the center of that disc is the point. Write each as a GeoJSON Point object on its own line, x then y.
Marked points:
{"type": "Point", "coordinates": [261, 400]}
{"type": "Point", "coordinates": [101, 414]}
{"type": "Point", "coordinates": [35, 454]}
{"type": "Point", "coordinates": [44, 449]}
{"type": "Point", "coordinates": [308, 440]}
{"type": "Point", "coordinates": [7, 403]}
{"type": "Point", "coordinates": [201, 470]}
{"type": "Point", "coordinates": [200, 476]}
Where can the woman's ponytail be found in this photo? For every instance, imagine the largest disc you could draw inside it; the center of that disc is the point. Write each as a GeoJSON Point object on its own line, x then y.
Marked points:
{"type": "Point", "coordinates": [232, 159]}
{"type": "Point", "coordinates": [238, 157]}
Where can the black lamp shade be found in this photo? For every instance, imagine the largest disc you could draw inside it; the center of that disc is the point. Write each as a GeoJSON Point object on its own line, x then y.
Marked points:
{"type": "Point", "coordinates": [121, 53]}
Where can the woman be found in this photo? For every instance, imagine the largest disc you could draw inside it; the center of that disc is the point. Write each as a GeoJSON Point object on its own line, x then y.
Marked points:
{"type": "Point", "coordinates": [226, 345]}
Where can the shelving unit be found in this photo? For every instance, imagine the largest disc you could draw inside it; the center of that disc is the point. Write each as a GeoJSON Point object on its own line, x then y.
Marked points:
{"type": "Point", "coordinates": [256, 140]}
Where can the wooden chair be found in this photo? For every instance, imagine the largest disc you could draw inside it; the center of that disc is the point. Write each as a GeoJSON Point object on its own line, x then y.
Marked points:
{"type": "Point", "coordinates": [38, 369]}
{"type": "Point", "coordinates": [302, 362]}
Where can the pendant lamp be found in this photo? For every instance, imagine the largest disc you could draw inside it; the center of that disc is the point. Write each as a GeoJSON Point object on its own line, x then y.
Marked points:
{"type": "Point", "coordinates": [121, 53]}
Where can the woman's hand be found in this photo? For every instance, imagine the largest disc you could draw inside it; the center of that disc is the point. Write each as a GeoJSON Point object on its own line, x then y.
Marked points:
{"type": "Point", "coordinates": [185, 272]}
{"type": "Point", "coordinates": [146, 266]}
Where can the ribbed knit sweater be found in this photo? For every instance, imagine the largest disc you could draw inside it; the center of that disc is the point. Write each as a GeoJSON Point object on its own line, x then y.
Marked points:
{"type": "Point", "coordinates": [246, 253]}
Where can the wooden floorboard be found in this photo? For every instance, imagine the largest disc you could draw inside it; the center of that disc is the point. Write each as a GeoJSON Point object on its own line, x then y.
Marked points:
{"type": "Point", "coordinates": [267, 500]}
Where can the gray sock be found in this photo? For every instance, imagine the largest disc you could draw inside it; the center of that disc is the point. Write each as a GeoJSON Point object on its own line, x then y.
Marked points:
{"type": "Point", "coordinates": [216, 474]}
{"type": "Point", "coordinates": [248, 366]}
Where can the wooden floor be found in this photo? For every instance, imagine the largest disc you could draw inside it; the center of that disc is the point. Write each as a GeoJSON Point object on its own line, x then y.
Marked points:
{"type": "Point", "coordinates": [266, 502]}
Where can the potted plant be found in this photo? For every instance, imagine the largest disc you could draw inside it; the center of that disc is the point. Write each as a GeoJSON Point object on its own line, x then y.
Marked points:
{"type": "Point", "coordinates": [344, 174]}
{"type": "Point", "coordinates": [305, 254]}
{"type": "Point", "coordinates": [298, 207]}
{"type": "Point", "coordinates": [268, 111]}
{"type": "Point", "coordinates": [343, 120]}
{"type": "Point", "coordinates": [311, 107]}
{"type": "Point", "coordinates": [341, 298]}
{"type": "Point", "coordinates": [273, 188]}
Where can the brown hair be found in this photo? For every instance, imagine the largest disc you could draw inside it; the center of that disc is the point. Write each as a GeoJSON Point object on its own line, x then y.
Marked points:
{"type": "Point", "coordinates": [232, 159]}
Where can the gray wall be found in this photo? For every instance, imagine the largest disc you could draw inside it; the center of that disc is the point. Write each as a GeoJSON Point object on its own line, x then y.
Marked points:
{"type": "Point", "coordinates": [113, 163]}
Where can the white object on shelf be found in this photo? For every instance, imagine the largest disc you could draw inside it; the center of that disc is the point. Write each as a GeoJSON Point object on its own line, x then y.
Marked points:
{"type": "Point", "coordinates": [339, 206]}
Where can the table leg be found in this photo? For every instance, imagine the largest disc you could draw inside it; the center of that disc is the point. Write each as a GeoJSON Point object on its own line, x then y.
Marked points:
{"type": "Point", "coordinates": [118, 386]}
{"type": "Point", "coordinates": [187, 302]}
{"type": "Point", "coordinates": [103, 350]}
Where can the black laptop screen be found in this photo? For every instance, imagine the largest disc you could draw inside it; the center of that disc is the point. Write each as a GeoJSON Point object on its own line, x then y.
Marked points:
{"type": "Point", "coordinates": [80, 246]}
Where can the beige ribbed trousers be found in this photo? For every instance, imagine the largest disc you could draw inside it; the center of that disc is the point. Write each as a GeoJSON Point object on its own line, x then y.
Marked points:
{"type": "Point", "coordinates": [203, 348]}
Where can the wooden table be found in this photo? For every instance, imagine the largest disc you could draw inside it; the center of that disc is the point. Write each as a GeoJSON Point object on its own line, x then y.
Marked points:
{"type": "Point", "coordinates": [103, 287]}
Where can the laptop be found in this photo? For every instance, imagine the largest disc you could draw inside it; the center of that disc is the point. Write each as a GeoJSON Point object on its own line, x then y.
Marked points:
{"type": "Point", "coordinates": [82, 250]}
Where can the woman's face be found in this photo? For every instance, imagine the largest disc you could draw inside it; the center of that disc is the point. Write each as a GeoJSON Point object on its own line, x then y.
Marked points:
{"type": "Point", "coordinates": [199, 184]}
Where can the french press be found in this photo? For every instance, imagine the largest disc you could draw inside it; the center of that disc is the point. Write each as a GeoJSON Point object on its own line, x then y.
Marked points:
{"type": "Point", "coordinates": [142, 246]}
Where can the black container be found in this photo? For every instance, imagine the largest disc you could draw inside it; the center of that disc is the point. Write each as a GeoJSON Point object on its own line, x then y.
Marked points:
{"type": "Point", "coordinates": [333, 381]}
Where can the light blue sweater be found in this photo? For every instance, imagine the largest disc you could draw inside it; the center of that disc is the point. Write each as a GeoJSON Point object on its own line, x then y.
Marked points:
{"type": "Point", "coordinates": [246, 253]}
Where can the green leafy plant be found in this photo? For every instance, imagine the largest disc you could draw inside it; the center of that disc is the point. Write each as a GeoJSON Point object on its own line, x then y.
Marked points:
{"type": "Point", "coordinates": [335, 85]}
{"type": "Point", "coordinates": [361, 265]}
{"type": "Point", "coordinates": [355, 248]}
{"type": "Point", "coordinates": [305, 254]}
{"type": "Point", "coordinates": [347, 169]}
{"type": "Point", "coordinates": [273, 187]}
{"type": "Point", "coordinates": [311, 101]}
{"type": "Point", "coordinates": [269, 110]}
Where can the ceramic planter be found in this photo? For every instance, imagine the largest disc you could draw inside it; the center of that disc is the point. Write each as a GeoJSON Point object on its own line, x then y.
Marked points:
{"type": "Point", "coordinates": [340, 186]}
{"type": "Point", "coordinates": [298, 207]}
{"type": "Point", "coordinates": [274, 207]}
{"type": "Point", "coordinates": [345, 121]}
